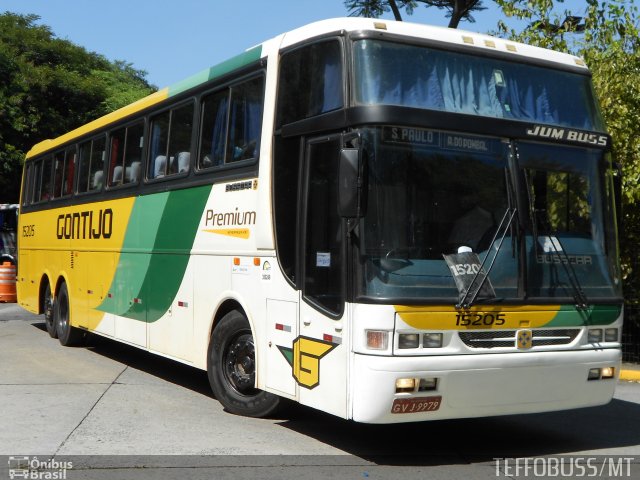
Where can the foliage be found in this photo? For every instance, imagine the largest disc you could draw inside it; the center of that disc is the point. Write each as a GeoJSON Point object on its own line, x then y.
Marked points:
{"type": "Point", "coordinates": [610, 46]}
{"type": "Point", "coordinates": [457, 10]}
{"type": "Point", "coordinates": [49, 86]}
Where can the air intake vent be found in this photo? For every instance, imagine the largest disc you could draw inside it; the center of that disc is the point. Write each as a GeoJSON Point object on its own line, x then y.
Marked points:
{"type": "Point", "coordinates": [507, 338]}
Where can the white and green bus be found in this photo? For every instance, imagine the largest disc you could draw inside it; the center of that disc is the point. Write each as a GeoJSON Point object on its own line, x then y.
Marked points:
{"type": "Point", "coordinates": [385, 221]}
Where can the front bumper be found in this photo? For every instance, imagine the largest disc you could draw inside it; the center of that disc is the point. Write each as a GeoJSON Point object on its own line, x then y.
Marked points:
{"type": "Point", "coordinates": [483, 385]}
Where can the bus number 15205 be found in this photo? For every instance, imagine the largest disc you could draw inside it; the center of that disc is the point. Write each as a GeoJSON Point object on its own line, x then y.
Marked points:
{"type": "Point", "coordinates": [478, 319]}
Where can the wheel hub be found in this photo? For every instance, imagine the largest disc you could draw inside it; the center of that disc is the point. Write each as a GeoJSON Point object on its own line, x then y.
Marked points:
{"type": "Point", "coordinates": [240, 364]}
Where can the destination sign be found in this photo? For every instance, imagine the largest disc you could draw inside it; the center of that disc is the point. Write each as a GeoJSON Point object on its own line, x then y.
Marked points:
{"type": "Point", "coordinates": [414, 136]}
{"type": "Point", "coordinates": [431, 138]}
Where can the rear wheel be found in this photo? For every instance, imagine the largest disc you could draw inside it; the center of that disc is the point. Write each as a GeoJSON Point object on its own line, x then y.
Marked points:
{"type": "Point", "coordinates": [232, 369]}
{"type": "Point", "coordinates": [67, 335]}
{"type": "Point", "coordinates": [48, 312]}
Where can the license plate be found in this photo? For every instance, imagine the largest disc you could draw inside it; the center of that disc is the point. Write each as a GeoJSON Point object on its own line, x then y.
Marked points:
{"type": "Point", "coordinates": [416, 404]}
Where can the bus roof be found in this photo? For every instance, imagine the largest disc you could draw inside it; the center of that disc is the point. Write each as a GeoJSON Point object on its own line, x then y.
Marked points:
{"type": "Point", "coordinates": [428, 32]}
{"type": "Point", "coordinates": [349, 24]}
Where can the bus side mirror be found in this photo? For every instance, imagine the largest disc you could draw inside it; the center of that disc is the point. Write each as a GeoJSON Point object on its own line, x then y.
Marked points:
{"type": "Point", "coordinates": [349, 183]}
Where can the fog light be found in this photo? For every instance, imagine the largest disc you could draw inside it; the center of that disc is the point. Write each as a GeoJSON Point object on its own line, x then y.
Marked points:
{"type": "Point", "coordinates": [608, 372]}
{"type": "Point", "coordinates": [432, 340]}
{"type": "Point", "coordinates": [404, 385]}
{"type": "Point", "coordinates": [427, 384]}
{"type": "Point", "coordinates": [377, 339]}
{"type": "Point", "coordinates": [408, 340]}
{"type": "Point", "coordinates": [611, 335]}
{"type": "Point", "coordinates": [594, 374]}
{"type": "Point", "coordinates": [595, 335]}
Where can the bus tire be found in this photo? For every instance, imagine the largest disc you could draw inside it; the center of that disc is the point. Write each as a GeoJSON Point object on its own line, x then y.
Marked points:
{"type": "Point", "coordinates": [231, 369]}
{"type": "Point", "coordinates": [47, 307]}
{"type": "Point", "coordinates": [67, 335]}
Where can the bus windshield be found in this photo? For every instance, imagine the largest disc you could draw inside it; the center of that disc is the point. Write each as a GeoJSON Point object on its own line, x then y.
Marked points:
{"type": "Point", "coordinates": [429, 194]}
{"type": "Point", "coordinates": [570, 236]}
{"type": "Point", "coordinates": [432, 193]}
{"type": "Point", "coordinates": [415, 76]}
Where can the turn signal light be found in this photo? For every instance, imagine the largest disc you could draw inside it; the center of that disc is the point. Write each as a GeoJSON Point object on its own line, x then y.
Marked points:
{"type": "Point", "coordinates": [377, 339]}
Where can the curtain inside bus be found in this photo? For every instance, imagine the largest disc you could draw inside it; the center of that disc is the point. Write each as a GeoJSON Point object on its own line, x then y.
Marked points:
{"type": "Point", "coordinates": [414, 76]}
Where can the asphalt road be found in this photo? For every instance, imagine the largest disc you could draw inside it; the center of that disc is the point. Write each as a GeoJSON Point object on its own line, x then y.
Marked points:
{"type": "Point", "coordinates": [114, 411]}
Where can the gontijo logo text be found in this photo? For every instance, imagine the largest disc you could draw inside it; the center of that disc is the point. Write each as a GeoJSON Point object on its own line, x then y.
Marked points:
{"type": "Point", "coordinates": [85, 225]}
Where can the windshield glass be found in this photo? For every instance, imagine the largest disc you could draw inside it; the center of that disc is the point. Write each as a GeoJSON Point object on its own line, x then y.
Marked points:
{"type": "Point", "coordinates": [416, 76]}
{"type": "Point", "coordinates": [429, 194]}
{"type": "Point", "coordinates": [570, 234]}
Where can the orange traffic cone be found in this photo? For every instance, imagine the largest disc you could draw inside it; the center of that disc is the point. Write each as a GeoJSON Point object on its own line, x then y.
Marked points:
{"type": "Point", "coordinates": [8, 282]}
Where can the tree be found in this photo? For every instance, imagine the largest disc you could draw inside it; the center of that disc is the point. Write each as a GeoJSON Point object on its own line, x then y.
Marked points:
{"type": "Point", "coordinates": [457, 10]}
{"type": "Point", "coordinates": [49, 86]}
{"type": "Point", "coordinates": [610, 45]}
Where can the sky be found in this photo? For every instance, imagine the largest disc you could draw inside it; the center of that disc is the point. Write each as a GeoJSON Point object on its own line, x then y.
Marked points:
{"type": "Point", "coordinates": [173, 39]}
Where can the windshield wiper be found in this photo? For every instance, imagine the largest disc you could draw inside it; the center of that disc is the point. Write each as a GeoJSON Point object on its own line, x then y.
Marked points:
{"type": "Point", "coordinates": [578, 294]}
{"type": "Point", "coordinates": [505, 223]}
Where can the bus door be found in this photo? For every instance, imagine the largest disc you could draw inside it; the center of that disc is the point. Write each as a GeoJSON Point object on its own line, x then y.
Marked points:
{"type": "Point", "coordinates": [320, 357]}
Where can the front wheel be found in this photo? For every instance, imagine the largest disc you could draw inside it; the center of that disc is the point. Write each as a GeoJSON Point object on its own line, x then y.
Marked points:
{"type": "Point", "coordinates": [231, 368]}
{"type": "Point", "coordinates": [67, 335]}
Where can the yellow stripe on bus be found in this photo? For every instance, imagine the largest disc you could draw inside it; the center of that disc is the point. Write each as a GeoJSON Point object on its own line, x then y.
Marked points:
{"type": "Point", "coordinates": [478, 317]}
{"type": "Point", "coordinates": [100, 122]}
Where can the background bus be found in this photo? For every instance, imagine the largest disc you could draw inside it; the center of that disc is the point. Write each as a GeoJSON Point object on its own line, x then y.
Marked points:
{"type": "Point", "coordinates": [386, 221]}
{"type": "Point", "coordinates": [8, 226]}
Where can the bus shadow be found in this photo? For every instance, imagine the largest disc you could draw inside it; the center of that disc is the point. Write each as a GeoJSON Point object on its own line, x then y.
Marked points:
{"type": "Point", "coordinates": [442, 442]}
{"type": "Point", "coordinates": [477, 440]}
{"type": "Point", "coordinates": [162, 368]}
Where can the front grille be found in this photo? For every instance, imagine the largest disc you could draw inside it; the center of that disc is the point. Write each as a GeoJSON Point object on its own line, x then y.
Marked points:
{"type": "Point", "coordinates": [507, 338]}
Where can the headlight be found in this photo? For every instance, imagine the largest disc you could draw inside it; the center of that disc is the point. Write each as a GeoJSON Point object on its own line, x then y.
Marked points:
{"type": "Point", "coordinates": [408, 340]}
{"type": "Point", "coordinates": [595, 335]}
{"type": "Point", "coordinates": [432, 340]}
{"type": "Point", "coordinates": [611, 335]}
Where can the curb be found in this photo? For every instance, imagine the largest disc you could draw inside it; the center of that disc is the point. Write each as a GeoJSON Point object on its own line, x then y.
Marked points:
{"type": "Point", "coordinates": [630, 375]}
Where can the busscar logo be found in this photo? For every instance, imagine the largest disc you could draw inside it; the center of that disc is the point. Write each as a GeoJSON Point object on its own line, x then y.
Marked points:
{"type": "Point", "coordinates": [569, 135]}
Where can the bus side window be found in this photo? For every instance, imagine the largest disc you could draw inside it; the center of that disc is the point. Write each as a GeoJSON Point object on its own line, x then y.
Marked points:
{"type": "Point", "coordinates": [64, 170]}
{"type": "Point", "coordinates": [91, 164]}
{"type": "Point", "coordinates": [170, 146]}
{"type": "Point", "coordinates": [133, 153]}
{"type": "Point", "coordinates": [117, 157]}
{"type": "Point", "coordinates": [310, 82]}
{"type": "Point", "coordinates": [96, 170]}
{"type": "Point", "coordinates": [126, 155]}
{"type": "Point", "coordinates": [69, 171]}
{"type": "Point", "coordinates": [213, 133]}
{"type": "Point", "coordinates": [245, 120]}
{"type": "Point", "coordinates": [231, 124]}
{"type": "Point", "coordinates": [36, 174]}
{"type": "Point", "coordinates": [45, 182]}
{"type": "Point", "coordinates": [58, 160]}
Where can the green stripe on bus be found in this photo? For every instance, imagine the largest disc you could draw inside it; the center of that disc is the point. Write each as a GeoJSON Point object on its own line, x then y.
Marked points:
{"type": "Point", "coordinates": [134, 260]}
{"type": "Point", "coordinates": [173, 243]}
{"type": "Point", "coordinates": [569, 316]}
{"type": "Point", "coordinates": [216, 71]}
{"type": "Point", "coordinates": [156, 249]}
